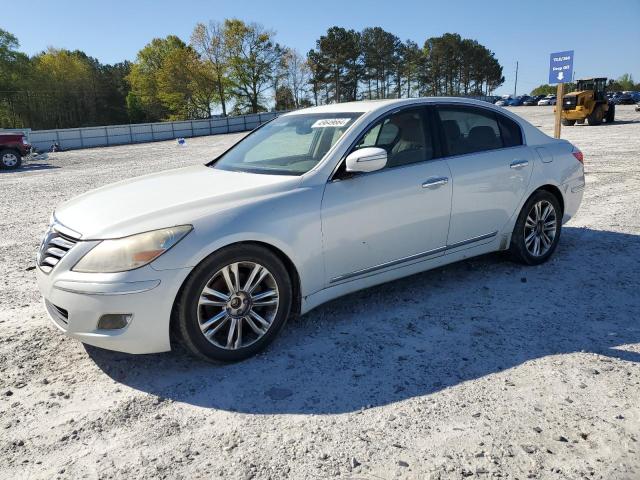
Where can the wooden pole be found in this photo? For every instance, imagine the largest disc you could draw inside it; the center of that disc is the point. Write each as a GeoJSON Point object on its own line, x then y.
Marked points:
{"type": "Point", "coordinates": [556, 131]}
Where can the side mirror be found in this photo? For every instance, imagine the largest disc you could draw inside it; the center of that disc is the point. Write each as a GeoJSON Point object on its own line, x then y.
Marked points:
{"type": "Point", "coordinates": [367, 159]}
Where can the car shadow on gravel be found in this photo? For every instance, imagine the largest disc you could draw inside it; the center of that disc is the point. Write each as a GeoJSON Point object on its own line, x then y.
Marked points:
{"type": "Point", "coordinates": [30, 167]}
{"type": "Point", "coordinates": [618, 122]}
{"type": "Point", "coordinates": [420, 334]}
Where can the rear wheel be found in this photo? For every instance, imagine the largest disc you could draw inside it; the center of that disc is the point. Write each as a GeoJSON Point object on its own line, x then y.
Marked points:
{"type": "Point", "coordinates": [10, 159]}
{"type": "Point", "coordinates": [234, 303]}
{"type": "Point", "coordinates": [596, 116]}
{"type": "Point", "coordinates": [537, 230]}
{"type": "Point", "coordinates": [611, 114]}
{"type": "Point", "coordinates": [568, 123]}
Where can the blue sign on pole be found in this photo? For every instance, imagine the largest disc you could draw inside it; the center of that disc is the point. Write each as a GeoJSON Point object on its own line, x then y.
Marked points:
{"type": "Point", "coordinates": [561, 67]}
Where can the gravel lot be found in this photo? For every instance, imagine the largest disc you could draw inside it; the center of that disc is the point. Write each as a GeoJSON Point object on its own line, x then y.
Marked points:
{"type": "Point", "coordinates": [481, 369]}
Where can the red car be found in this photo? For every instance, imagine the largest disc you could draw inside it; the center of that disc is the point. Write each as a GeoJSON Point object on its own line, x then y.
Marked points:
{"type": "Point", "coordinates": [13, 147]}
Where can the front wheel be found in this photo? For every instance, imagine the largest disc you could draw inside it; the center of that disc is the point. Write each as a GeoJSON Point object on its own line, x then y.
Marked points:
{"type": "Point", "coordinates": [537, 230]}
{"type": "Point", "coordinates": [234, 303]}
{"type": "Point", "coordinates": [10, 159]}
{"type": "Point", "coordinates": [596, 116]}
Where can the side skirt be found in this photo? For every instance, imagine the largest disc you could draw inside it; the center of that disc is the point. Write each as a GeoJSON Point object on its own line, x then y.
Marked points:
{"type": "Point", "coordinates": [348, 286]}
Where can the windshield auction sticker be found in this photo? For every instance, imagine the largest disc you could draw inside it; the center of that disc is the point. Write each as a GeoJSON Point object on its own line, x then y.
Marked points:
{"type": "Point", "coordinates": [330, 122]}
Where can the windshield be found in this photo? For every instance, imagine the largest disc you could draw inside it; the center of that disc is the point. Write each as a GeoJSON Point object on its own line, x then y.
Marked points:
{"type": "Point", "coordinates": [288, 145]}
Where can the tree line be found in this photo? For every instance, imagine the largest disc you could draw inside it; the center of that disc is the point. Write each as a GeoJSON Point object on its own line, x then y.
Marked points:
{"type": "Point", "coordinates": [59, 88]}
{"type": "Point", "coordinates": [233, 67]}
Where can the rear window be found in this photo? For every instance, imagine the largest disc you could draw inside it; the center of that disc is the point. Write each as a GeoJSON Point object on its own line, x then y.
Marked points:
{"type": "Point", "coordinates": [468, 130]}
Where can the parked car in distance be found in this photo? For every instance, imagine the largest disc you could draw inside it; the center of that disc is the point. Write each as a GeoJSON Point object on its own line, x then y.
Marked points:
{"type": "Point", "coordinates": [638, 107]}
{"type": "Point", "coordinates": [503, 102]}
{"type": "Point", "coordinates": [13, 148]}
{"type": "Point", "coordinates": [531, 101]}
{"type": "Point", "coordinates": [548, 100]}
{"type": "Point", "coordinates": [315, 204]}
{"type": "Point", "coordinates": [623, 98]}
{"type": "Point", "coordinates": [515, 102]}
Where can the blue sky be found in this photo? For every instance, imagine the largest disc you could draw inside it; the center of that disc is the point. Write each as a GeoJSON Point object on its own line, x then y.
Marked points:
{"type": "Point", "coordinates": [604, 34]}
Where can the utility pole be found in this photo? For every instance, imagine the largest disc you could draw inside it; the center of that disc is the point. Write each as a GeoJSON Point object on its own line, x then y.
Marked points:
{"type": "Point", "coordinates": [515, 87]}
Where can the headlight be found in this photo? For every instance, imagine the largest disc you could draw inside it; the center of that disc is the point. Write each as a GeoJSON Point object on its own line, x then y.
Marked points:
{"type": "Point", "coordinates": [127, 253]}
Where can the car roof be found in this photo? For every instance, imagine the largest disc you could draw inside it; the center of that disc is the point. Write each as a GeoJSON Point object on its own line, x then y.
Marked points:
{"type": "Point", "coordinates": [346, 107]}
{"type": "Point", "coordinates": [368, 106]}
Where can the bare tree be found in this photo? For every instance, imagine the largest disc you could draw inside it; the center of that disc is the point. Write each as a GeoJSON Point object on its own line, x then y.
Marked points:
{"type": "Point", "coordinates": [298, 75]}
{"type": "Point", "coordinates": [209, 42]}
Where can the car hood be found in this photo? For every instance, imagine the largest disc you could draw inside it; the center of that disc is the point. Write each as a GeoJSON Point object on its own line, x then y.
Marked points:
{"type": "Point", "coordinates": [164, 199]}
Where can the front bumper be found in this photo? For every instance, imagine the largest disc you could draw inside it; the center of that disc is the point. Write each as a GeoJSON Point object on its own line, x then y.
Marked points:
{"type": "Point", "coordinates": [76, 301]}
{"type": "Point", "coordinates": [575, 113]}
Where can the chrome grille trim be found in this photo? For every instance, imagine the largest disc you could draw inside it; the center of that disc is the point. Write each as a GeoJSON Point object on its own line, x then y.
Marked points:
{"type": "Point", "coordinates": [55, 245]}
{"type": "Point", "coordinates": [61, 242]}
{"type": "Point", "coordinates": [57, 252]}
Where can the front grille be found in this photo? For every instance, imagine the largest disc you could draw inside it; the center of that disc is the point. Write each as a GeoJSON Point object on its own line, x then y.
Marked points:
{"type": "Point", "coordinates": [55, 245]}
{"type": "Point", "coordinates": [59, 314]}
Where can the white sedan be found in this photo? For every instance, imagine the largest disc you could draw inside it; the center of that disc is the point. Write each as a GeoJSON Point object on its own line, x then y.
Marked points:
{"type": "Point", "coordinates": [547, 101]}
{"type": "Point", "coordinates": [313, 205]}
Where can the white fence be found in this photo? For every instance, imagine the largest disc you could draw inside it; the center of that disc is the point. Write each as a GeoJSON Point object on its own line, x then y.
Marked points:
{"type": "Point", "coordinates": [86, 137]}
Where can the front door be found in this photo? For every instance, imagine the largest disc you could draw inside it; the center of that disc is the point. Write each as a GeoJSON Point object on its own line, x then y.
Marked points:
{"type": "Point", "coordinates": [376, 221]}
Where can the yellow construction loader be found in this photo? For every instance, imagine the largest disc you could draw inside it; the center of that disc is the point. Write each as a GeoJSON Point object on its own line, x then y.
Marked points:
{"type": "Point", "coordinates": [589, 102]}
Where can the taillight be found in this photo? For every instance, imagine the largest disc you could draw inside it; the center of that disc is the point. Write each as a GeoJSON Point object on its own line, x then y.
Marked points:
{"type": "Point", "coordinates": [578, 154]}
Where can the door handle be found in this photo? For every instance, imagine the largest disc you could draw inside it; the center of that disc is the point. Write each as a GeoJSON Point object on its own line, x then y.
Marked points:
{"type": "Point", "coordinates": [435, 182]}
{"type": "Point", "coordinates": [519, 163]}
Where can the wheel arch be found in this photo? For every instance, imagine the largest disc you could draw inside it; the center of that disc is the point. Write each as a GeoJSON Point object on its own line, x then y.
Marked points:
{"type": "Point", "coordinates": [12, 149]}
{"type": "Point", "coordinates": [288, 263]}
{"type": "Point", "coordinates": [553, 190]}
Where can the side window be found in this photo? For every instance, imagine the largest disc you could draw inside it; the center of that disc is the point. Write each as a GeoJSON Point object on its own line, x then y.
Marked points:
{"type": "Point", "coordinates": [510, 131]}
{"type": "Point", "coordinates": [371, 137]}
{"type": "Point", "coordinates": [405, 137]}
{"type": "Point", "coordinates": [469, 130]}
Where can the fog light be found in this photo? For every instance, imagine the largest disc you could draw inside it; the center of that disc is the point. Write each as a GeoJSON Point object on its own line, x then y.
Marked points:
{"type": "Point", "coordinates": [114, 321]}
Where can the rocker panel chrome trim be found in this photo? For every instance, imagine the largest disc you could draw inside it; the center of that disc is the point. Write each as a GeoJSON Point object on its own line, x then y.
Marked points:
{"type": "Point", "coordinates": [410, 258]}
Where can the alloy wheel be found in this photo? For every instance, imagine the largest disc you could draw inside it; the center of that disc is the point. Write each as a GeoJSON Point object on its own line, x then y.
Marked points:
{"type": "Point", "coordinates": [238, 305]}
{"type": "Point", "coordinates": [9, 159]}
{"type": "Point", "coordinates": [540, 228]}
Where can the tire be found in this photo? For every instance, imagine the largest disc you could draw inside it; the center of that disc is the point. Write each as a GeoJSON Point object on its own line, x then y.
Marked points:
{"type": "Point", "coordinates": [522, 249]}
{"type": "Point", "coordinates": [198, 309]}
{"type": "Point", "coordinates": [10, 159]}
{"type": "Point", "coordinates": [596, 116]}
{"type": "Point", "coordinates": [611, 113]}
{"type": "Point", "coordinates": [568, 123]}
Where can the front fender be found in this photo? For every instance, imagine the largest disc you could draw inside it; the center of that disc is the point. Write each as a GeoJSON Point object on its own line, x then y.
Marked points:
{"type": "Point", "coordinates": [288, 221]}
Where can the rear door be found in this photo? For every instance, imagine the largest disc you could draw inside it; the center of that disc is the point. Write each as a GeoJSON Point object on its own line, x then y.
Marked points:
{"type": "Point", "coordinates": [490, 170]}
